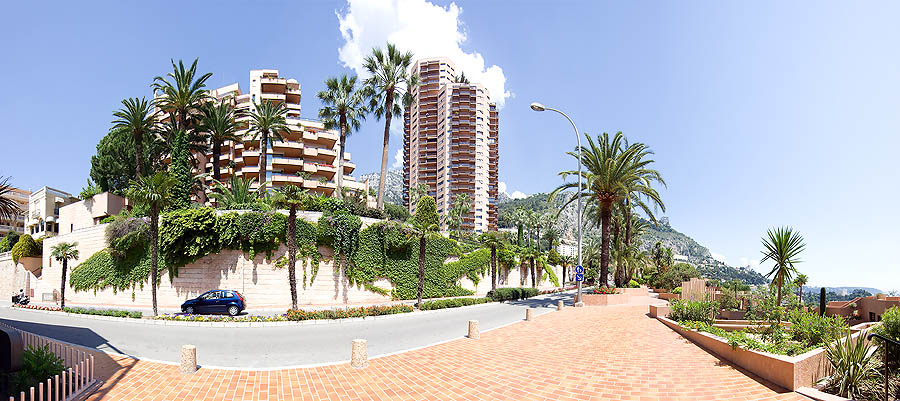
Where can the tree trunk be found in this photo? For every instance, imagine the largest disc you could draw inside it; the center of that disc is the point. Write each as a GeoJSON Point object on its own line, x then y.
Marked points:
{"type": "Point", "coordinates": [217, 152]}
{"type": "Point", "coordinates": [520, 235]}
{"type": "Point", "coordinates": [628, 271]}
{"type": "Point", "coordinates": [339, 180]}
{"type": "Point", "coordinates": [562, 282]}
{"type": "Point", "coordinates": [388, 113]}
{"type": "Point", "coordinates": [539, 239]}
{"type": "Point", "coordinates": [533, 280]}
{"type": "Point", "coordinates": [263, 143]}
{"type": "Point", "coordinates": [138, 154]}
{"type": "Point", "coordinates": [605, 214]}
{"type": "Point", "coordinates": [493, 268]}
{"type": "Point", "coordinates": [154, 253]}
{"type": "Point", "coordinates": [421, 286]}
{"type": "Point", "coordinates": [62, 286]}
{"type": "Point", "coordinates": [800, 295]}
{"type": "Point", "coordinates": [292, 254]}
{"type": "Point", "coordinates": [617, 274]}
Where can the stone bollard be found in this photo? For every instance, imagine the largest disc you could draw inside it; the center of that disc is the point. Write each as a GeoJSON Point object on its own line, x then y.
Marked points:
{"type": "Point", "coordinates": [360, 356]}
{"type": "Point", "coordinates": [529, 314]}
{"type": "Point", "coordinates": [188, 359]}
{"type": "Point", "coordinates": [474, 333]}
{"type": "Point", "coordinates": [560, 305]}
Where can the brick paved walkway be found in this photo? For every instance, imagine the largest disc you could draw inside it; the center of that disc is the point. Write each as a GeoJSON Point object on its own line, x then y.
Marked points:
{"type": "Point", "coordinates": [592, 353]}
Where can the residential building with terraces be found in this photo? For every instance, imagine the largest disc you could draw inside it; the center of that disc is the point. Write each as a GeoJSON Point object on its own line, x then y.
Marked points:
{"type": "Point", "coordinates": [42, 219]}
{"type": "Point", "coordinates": [20, 196]}
{"type": "Point", "coordinates": [450, 142]}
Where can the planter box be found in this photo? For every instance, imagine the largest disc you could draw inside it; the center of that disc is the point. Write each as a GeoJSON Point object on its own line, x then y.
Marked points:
{"type": "Point", "coordinates": [668, 296]}
{"type": "Point", "coordinates": [640, 291]}
{"type": "Point", "coordinates": [31, 264]}
{"type": "Point", "coordinates": [605, 299]}
{"type": "Point", "coordinates": [790, 372]}
{"type": "Point", "coordinates": [659, 311]}
{"type": "Point", "coordinates": [732, 315]}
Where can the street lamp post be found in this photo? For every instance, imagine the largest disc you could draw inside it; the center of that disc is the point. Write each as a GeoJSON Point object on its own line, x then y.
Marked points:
{"type": "Point", "coordinates": [540, 107]}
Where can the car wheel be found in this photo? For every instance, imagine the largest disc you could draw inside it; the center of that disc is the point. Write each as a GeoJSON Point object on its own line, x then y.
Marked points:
{"type": "Point", "coordinates": [233, 310]}
{"type": "Point", "coordinates": [189, 310]}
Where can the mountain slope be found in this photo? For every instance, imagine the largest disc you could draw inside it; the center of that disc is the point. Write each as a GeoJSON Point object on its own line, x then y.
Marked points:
{"type": "Point", "coordinates": [393, 187]}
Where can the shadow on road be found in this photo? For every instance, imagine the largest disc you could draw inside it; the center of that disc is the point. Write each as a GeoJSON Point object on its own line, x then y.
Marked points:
{"type": "Point", "coordinates": [544, 301]}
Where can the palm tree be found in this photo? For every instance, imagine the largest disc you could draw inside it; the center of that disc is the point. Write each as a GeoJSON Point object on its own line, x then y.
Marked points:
{"type": "Point", "coordinates": [800, 281]}
{"type": "Point", "coordinates": [343, 109]}
{"type": "Point", "coordinates": [63, 252]}
{"type": "Point", "coordinates": [426, 222]}
{"type": "Point", "coordinates": [218, 120]}
{"type": "Point", "coordinates": [238, 193]}
{"type": "Point", "coordinates": [291, 197]}
{"type": "Point", "coordinates": [494, 240]}
{"type": "Point", "coordinates": [179, 94]}
{"type": "Point", "coordinates": [137, 117]}
{"type": "Point", "coordinates": [9, 208]}
{"type": "Point", "coordinates": [389, 81]}
{"type": "Point", "coordinates": [782, 247]}
{"type": "Point", "coordinates": [267, 122]}
{"type": "Point", "coordinates": [613, 170]}
{"type": "Point", "coordinates": [462, 205]}
{"type": "Point", "coordinates": [153, 192]}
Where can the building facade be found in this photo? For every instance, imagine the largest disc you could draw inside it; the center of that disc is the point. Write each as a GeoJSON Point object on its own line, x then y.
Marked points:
{"type": "Point", "coordinates": [20, 196]}
{"type": "Point", "coordinates": [450, 143]}
{"type": "Point", "coordinates": [42, 219]}
{"type": "Point", "coordinates": [308, 155]}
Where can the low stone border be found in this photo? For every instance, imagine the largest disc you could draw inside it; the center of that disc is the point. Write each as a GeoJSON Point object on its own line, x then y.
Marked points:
{"type": "Point", "coordinates": [161, 322]}
{"type": "Point", "coordinates": [819, 395]}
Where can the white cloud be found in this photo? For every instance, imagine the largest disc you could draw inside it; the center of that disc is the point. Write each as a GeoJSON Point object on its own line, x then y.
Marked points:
{"type": "Point", "coordinates": [518, 195]}
{"type": "Point", "coordinates": [753, 263]}
{"type": "Point", "coordinates": [501, 186]}
{"type": "Point", "coordinates": [718, 256]}
{"type": "Point", "coordinates": [398, 160]}
{"type": "Point", "coordinates": [426, 29]}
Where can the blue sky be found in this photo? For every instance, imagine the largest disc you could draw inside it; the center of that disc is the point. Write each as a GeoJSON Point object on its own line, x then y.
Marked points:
{"type": "Point", "coordinates": [761, 114]}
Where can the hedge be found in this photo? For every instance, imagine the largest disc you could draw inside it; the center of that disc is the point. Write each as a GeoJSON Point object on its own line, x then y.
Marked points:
{"type": "Point", "coordinates": [299, 314]}
{"type": "Point", "coordinates": [512, 293]}
{"type": "Point", "coordinates": [26, 247]}
{"type": "Point", "coordinates": [105, 312]}
{"type": "Point", "coordinates": [453, 303]}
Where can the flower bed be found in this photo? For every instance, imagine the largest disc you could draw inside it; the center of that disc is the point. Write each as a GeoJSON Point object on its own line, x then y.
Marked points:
{"type": "Point", "coordinates": [38, 307]}
{"type": "Point", "coordinates": [221, 318]}
{"type": "Point", "coordinates": [85, 311]}
{"type": "Point", "coordinates": [454, 303]}
{"type": "Point", "coordinates": [300, 314]}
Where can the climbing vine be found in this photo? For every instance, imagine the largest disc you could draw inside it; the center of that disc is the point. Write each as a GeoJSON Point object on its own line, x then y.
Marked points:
{"type": "Point", "coordinates": [102, 270]}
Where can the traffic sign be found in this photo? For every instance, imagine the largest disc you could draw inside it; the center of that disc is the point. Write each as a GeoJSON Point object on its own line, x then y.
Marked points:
{"type": "Point", "coordinates": [579, 277]}
{"type": "Point", "coordinates": [579, 269]}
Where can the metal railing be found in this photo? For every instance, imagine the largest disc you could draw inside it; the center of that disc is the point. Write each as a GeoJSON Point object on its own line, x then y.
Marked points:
{"type": "Point", "coordinates": [78, 376]}
{"type": "Point", "coordinates": [887, 342]}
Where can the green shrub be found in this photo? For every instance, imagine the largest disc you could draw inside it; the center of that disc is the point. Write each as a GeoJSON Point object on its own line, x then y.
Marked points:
{"type": "Point", "coordinates": [512, 293]}
{"type": "Point", "coordinates": [854, 368]}
{"type": "Point", "coordinates": [812, 329]}
{"type": "Point", "coordinates": [39, 364]}
{"type": "Point", "coordinates": [299, 314]}
{"type": "Point", "coordinates": [127, 234]}
{"type": "Point", "coordinates": [7, 243]}
{"type": "Point", "coordinates": [340, 231]}
{"type": "Point", "coordinates": [747, 340]}
{"type": "Point", "coordinates": [186, 235]}
{"type": "Point", "coordinates": [108, 219]}
{"type": "Point", "coordinates": [634, 284]}
{"type": "Point", "coordinates": [105, 312]}
{"type": "Point", "coordinates": [890, 327]}
{"type": "Point", "coordinates": [102, 270]}
{"type": "Point", "coordinates": [674, 276]}
{"type": "Point", "coordinates": [677, 290]}
{"type": "Point", "coordinates": [697, 311]}
{"type": "Point", "coordinates": [396, 212]}
{"type": "Point", "coordinates": [453, 303]}
{"type": "Point", "coordinates": [26, 247]}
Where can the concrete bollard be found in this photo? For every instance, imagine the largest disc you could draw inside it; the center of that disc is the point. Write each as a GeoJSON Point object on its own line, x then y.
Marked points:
{"type": "Point", "coordinates": [188, 359]}
{"type": "Point", "coordinates": [360, 355]}
{"type": "Point", "coordinates": [560, 305]}
{"type": "Point", "coordinates": [474, 333]}
{"type": "Point", "coordinates": [529, 314]}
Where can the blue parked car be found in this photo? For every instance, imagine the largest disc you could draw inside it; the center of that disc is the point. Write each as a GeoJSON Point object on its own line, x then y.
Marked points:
{"type": "Point", "coordinates": [215, 301]}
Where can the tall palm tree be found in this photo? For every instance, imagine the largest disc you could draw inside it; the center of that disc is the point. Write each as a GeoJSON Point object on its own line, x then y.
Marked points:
{"type": "Point", "coordinates": [291, 197]}
{"type": "Point", "coordinates": [390, 80]}
{"type": "Point", "coordinates": [800, 281]}
{"type": "Point", "coordinates": [238, 193]}
{"type": "Point", "coordinates": [153, 192]}
{"type": "Point", "coordinates": [181, 93]}
{"type": "Point", "coordinates": [783, 246]}
{"type": "Point", "coordinates": [613, 170]}
{"type": "Point", "coordinates": [494, 240]}
{"type": "Point", "coordinates": [267, 123]}
{"type": "Point", "coordinates": [426, 222]}
{"type": "Point", "coordinates": [9, 208]}
{"type": "Point", "coordinates": [138, 118]}
{"type": "Point", "coordinates": [343, 109]}
{"type": "Point", "coordinates": [63, 252]}
{"type": "Point", "coordinates": [218, 121]}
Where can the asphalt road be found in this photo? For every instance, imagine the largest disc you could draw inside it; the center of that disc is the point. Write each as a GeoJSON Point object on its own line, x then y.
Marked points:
{"type": "Point", "coordinates": [273, 347]}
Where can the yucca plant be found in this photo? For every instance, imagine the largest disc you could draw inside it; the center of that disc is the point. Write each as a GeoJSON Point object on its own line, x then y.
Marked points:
{"type": "Point", "coordinates": [237, 194]}
{"type": "Point", "coordinates": [854, 368]}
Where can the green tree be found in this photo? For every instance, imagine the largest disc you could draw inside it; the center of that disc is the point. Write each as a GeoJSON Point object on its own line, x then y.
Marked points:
{"type": "Point", "coordinates": [291, 197]}
{"type": "Point", "coordinates": [218, 121]}
{"type": "Point", "coordinates": [386, 87]}
{"type": "Point", "coordinates": [9, 241]}
{"type": "Point", "coordinates": [426, 222]}
{"type": "Point", "coordinates": [800, 281]}
{"type": "Point", "coordinates": [267, 123]}
{"type": "Point", "coordinates": [9, 208]}
{"type": "Point", "coordinates": [155, 193]}
{"type": "Point", "coordinates": [63, 252]}
{"type": "Point", "coordinates": [783, 247]}
{"type": "Point", "coordinates": [180, 168]}
{"type": "Point", "coordinates": [462, 206]}
{"type": "Point", "coordinates": [181, 94]}
{"type": "Point", "coordinates": [344, 109]}
{"type": "Point", "coordinates": [137, 118]}
{"type": "Point", "coordinates": [494, 240]}
{"type": "Point", "coordinates": [113, 167]}
{"type": "Point", "coordinates": [237, 195]}
{"type": "Point", "coordinates": [613, 170]}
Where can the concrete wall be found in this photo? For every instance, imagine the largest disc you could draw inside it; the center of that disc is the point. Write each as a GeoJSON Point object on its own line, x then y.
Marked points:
{"type": "Point", "coordinates": [263, 285]}
{"type": "Point", "coordinates": [89, 212]}
{"type": "Point", "coordinates": [12, 277]}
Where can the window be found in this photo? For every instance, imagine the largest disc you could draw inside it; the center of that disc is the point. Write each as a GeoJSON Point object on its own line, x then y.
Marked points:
{"type": "Point", "coordinates": [872, 317]}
